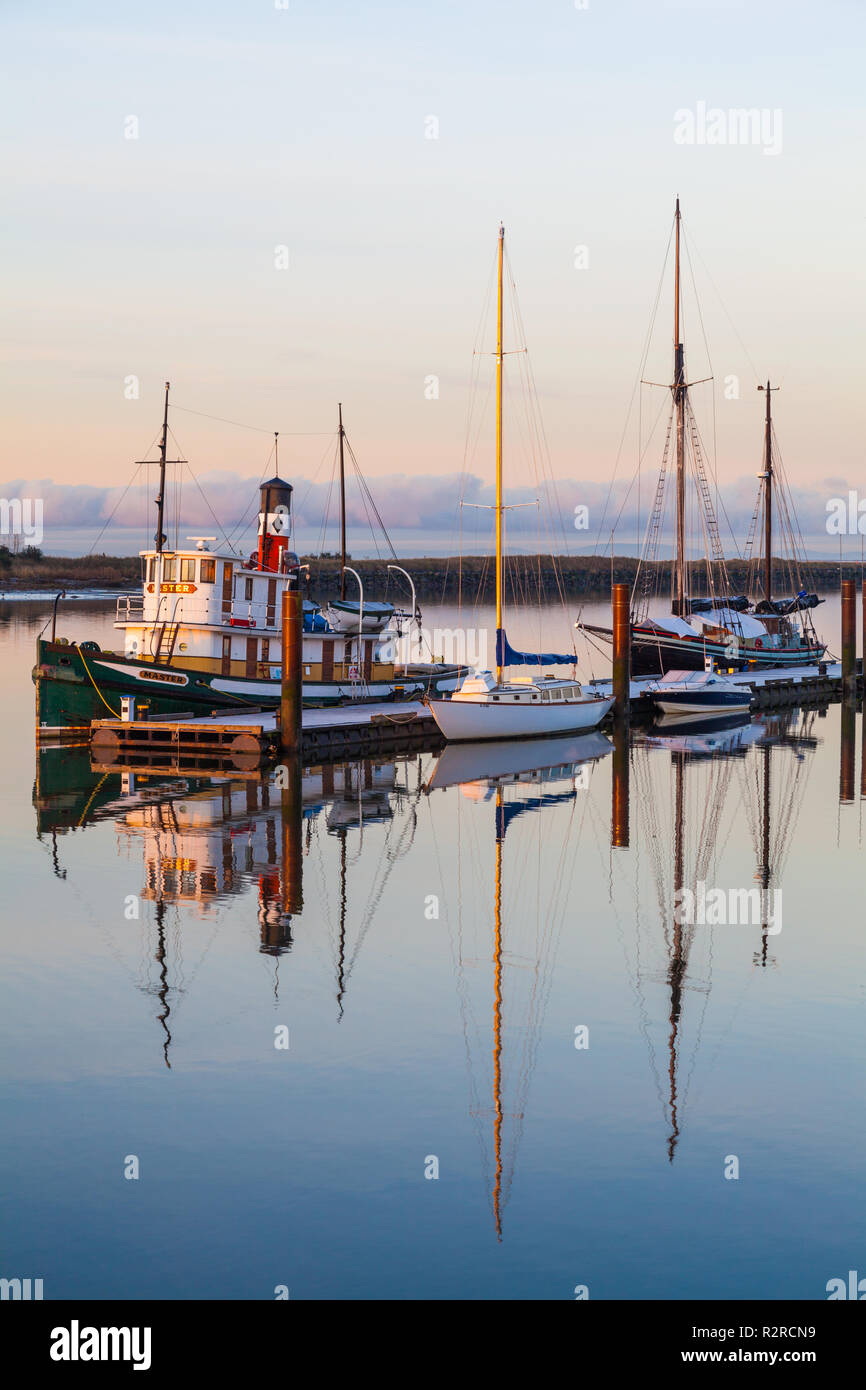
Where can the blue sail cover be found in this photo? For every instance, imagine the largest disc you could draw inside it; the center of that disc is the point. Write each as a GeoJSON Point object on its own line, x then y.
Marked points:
{"type": "Point", "coordinates": [507, 656]}
{"type": "Point", "coordinates": [510, 810]}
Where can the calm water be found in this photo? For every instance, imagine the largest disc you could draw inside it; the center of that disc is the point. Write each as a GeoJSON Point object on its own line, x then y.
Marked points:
{"type": "Point", "coordinates": [436, 942]}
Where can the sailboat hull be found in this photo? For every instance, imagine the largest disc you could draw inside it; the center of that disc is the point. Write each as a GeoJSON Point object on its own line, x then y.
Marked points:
{"type": "Point", "coordinates": [470, 720]}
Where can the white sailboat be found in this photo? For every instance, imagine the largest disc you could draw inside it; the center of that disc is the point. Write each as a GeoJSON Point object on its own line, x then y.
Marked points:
{"type": "Point", "coordinates": [487, 706]}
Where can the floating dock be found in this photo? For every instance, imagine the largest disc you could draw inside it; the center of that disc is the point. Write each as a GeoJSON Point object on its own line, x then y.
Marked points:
{"type": "Point", "coordinates": [246, 741]}
{"type": "Point", "coordinates": [793, 685]}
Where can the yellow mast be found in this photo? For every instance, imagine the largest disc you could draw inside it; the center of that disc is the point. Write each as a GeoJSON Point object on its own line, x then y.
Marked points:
{"type": "Point", "coordinates": [499, 640]}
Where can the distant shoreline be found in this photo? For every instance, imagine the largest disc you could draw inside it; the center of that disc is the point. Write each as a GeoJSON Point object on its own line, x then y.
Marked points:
{"type": "Point", "coordinates": [436, 579]}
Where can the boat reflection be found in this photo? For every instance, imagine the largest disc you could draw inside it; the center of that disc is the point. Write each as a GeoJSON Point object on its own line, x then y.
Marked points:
{"type": "Point", "coordinates": [205, 840]}
{"type": "Point", "coordinates": [516, 957]}
{"type": "Point", "coordinates": [687, 808]}
{"type": "Point", "coordinates": [515, 868]}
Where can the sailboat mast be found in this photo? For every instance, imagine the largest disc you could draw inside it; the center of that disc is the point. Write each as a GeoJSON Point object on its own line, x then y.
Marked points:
{"type": "Point", "coordinates": [768, 501]}
{"type": "Point", "coordinates": [160, 501]}
{"type": "Point", "coordinates": [499, 574]}
{"type": "Point", "coordinates": [679, 394]}
{"type": "Point", "coordinates": [342, 509]}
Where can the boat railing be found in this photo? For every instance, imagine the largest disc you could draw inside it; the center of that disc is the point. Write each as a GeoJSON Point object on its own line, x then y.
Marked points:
{"type": "Point", "coordinates": [130, 608]}
{"type": "Point", "coordinates": [245, 613]}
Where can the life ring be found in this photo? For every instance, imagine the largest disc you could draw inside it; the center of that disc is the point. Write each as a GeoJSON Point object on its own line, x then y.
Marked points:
{"type": "Point", "coordinates": [759, 642]}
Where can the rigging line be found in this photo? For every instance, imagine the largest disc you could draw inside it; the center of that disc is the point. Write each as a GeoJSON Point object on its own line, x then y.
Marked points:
{"type": "Point", "coordinates": [247, 517]}
{"type": "Point", "coordinates": [138, 466]}
{"type": "Point", "coordinates": [326, 514]}
{"type": "Point", "coordinates": [641, 457]}
{"type": "Point", "coordinates": [259, 429]}
{"type": "Point", "coordinates": [365, 490]}
{"type": "Point", "coordinates": [697, 302]}
{"type": "Point", "coordinates": [755, 371]}
{"type": "Point", "coordinates": [468, 448]}
{"type": "Point", "coordinates": [216, 519]}
{"type": "Point", "coordinates": [318, 469]}
{"type": "Point", "coordinates": [637, 384]}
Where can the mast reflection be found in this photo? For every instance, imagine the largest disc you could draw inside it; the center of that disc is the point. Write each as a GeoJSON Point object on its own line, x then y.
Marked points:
{"type": "Point", "coordinates": [528, 780]}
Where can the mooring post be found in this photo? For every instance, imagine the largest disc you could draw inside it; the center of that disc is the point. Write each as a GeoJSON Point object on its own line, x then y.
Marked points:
{"type": "Point", "coordinates": [292, 648]}
{"type": "Point", "coordinates": [621, 650]}
{"type": "Point", "coordinates": [849, 638]}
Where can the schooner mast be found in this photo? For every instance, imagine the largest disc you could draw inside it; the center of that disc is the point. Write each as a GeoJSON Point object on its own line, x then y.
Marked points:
{"type": "Point", "coordinates": [767, 479]}
{"type": "Point", "coordinates": [679, 392]}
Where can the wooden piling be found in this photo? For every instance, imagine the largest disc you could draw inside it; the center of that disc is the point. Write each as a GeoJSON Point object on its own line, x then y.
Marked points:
{"type": "Point", "coordinates": [621, 649]}
{"type": "Point", "coordinates": [292, 652]}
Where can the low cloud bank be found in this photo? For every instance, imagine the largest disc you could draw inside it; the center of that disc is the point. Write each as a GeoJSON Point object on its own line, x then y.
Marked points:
{"type": "Point", "coordinates": [572, 512]}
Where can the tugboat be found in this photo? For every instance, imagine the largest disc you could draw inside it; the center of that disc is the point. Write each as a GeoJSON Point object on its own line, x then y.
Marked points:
{"type": "Point", "coordinates": [203, 635]}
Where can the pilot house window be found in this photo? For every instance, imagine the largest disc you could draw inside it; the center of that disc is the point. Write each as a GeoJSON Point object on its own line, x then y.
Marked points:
{"type": "Point", "coordinates": [208, 571]}
{"type": "Point", "coordinates": [187, 571]}
{"type": "Point", "coordinates": [248, 590]}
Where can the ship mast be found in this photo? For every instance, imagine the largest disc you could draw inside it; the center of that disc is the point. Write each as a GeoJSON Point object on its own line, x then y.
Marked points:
{"type": "Point", "coordinates": [679, 394]}
{"type": "Point", "coordinates": [342, 509]}
{"type": "Point", "coordinates": [768, 494]}
{"type": "Point", "coordinates": [160, 501]}
{"type": "Point", "coordinates": [499, 508]}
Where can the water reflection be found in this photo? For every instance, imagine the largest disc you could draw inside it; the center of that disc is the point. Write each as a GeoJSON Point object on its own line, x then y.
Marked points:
{"type": "Point", "coordinates": [717, 770]}
{"type": "Point", "coordinates": [514, 950]}
{"type": "Point", "coordinates": [516, 833]}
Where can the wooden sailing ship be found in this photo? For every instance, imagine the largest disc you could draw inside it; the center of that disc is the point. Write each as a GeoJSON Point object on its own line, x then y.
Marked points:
{"type": "Point", "coordinates": [721, 629]}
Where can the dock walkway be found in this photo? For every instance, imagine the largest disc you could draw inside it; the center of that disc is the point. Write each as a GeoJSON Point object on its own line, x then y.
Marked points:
{"type": "Point", "coordinates": [245, 741]}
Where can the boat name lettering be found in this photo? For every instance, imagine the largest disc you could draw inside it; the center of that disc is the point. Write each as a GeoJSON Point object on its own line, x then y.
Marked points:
{"type": "Point", "coordinates": [177, 588]}
{"type": "Point", "coordinates": [162, 676]}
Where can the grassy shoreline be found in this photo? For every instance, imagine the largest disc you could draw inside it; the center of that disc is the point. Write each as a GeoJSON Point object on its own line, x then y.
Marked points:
{"type": "Point", "coordinates": [436, 578]}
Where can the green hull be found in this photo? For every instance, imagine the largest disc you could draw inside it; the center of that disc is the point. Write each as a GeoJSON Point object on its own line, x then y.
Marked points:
{"type": "Point", "coordinates": [76, 685]}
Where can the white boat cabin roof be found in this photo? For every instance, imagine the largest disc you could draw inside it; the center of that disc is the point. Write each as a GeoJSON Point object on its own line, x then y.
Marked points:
{"type": "Point", "coordinates": [695, 680]}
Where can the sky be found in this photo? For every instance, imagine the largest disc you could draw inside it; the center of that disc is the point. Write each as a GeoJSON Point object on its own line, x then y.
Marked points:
{"type": "Point", "coordinates": [282, 208]}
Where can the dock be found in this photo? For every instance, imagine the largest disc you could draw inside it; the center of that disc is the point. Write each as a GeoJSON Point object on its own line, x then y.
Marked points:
{"type": "Point", "coordinates": [793, 685]}
{"type": "Point", "coordinates": [246, 742]}
{"type": "Point", "coordinates": [243, 742]}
